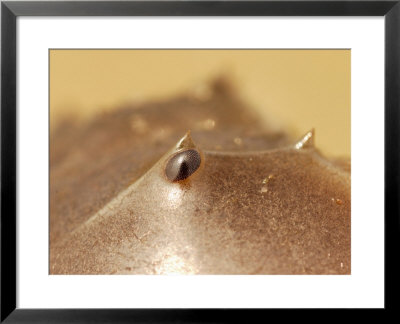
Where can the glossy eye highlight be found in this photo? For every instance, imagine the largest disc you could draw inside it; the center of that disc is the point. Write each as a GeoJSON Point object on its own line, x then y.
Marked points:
{"type": "Point", "coordinates": [182, 165]}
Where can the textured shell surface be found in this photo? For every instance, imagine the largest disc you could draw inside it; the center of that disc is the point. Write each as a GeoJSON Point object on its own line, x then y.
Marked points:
{"type": "Point", "coordinates": [233, 196]}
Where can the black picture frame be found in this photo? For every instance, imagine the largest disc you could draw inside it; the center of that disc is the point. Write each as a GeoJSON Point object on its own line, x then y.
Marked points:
{"type": "Point", "coordinates": [10, 10]}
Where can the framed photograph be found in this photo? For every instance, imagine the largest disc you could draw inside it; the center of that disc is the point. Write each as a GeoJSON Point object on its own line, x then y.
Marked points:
{"type": "Point", "coordinates": [189, 161]}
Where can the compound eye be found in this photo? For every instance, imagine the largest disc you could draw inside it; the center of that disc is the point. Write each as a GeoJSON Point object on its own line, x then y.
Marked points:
{"type": "Point", "coordinates": [182, 165]}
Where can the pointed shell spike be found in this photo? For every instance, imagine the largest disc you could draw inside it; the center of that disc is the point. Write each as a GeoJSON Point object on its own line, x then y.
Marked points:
{"type": "Point", "coordinates": [307, 141]}
{"type": "Point", "coordinates": [185, 142]}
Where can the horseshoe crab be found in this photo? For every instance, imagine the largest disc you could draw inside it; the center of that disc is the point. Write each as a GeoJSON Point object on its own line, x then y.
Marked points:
{"type": "Point", "coordinates": [238, 198]}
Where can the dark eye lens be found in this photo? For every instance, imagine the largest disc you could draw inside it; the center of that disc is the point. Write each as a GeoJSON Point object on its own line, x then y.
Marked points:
{"type": "Point", "coordinates": [182, 165]}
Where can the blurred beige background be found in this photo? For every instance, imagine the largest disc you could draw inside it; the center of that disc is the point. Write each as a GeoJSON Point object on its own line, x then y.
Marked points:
{"type": "Point", "coordinates": [299, 89]}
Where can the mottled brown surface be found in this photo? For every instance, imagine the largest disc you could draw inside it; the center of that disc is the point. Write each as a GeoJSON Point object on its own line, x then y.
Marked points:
{"type": "Point", "coordinates": [91, 163]}
{"type": "Point", "coordinates": [248, 209]}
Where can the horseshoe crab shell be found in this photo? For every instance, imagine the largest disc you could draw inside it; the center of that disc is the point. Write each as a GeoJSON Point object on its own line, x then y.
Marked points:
{"type": "Point", "coordinates": [278, 209]}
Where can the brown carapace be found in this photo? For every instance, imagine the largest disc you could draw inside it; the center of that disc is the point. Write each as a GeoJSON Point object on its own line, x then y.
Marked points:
{"type": "Point", "coordinates": [238, 198]}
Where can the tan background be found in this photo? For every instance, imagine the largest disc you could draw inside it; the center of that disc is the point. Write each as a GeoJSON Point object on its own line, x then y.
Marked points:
{"type": "Point", "coordinates": [300, 89]}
